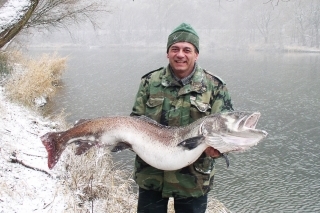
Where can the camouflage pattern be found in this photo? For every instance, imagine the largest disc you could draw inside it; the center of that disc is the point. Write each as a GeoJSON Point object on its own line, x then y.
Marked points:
{"type": "Point", "coordinates": [165, 100]}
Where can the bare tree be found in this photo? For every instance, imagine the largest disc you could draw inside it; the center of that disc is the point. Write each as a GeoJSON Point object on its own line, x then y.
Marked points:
{"type": "Point", "coordinates": [63, 13]}
{"type": "Point", "coordinates": [262, 21]}
{"type": "Point", "coordinates": [9, 30]}
{"type": "Point", "coordinates": [315, 23]}
{"type": "Point", "coordinates": [275, 2]}
{"type": "Point", "coordinates": [301, 17]}
{"type": "Point", "coordinates": [307, 19]}
{"type": "Point", "coordinates": [48, 14]}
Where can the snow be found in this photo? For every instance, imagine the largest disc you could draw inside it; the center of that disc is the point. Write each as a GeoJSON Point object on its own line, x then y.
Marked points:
{"type": "Point", "coordinates": [11, 12]}
{"type": "Point", "coordinates": [23, 189]}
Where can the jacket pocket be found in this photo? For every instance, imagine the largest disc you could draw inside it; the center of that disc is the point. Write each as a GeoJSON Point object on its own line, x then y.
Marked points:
{"type": "Point", "coordinates": [201, 106]}
{"type": "Point", "coordinates": [154, 108]}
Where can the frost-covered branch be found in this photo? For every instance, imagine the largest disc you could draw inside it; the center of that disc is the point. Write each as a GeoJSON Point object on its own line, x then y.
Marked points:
{"type": "Point", "coordinates": [14, 15]}
{"type": "Point", "coordinates": [63, 13]}
{"type": "Point", "coordinates": [275, 2]}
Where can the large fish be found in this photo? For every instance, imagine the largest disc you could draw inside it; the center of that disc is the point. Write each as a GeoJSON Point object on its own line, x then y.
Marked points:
{"type": "Point", "coordinates": [166, 148]}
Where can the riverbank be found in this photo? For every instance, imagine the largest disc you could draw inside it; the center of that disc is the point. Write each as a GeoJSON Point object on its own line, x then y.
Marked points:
{"type": "Point", "coordinates": [26, 183]}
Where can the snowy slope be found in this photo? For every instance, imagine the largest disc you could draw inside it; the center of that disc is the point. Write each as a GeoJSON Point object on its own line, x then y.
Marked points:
{"type": "Point", "coordinates": [23, 189]}
{"type": "Point", "coordinates": [11, 12]}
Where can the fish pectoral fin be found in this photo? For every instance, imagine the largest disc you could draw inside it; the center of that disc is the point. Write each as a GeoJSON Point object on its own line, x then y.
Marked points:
{"type": "Point", "coordinates": [219, 144]}
{"type": "Point", "coordinates": [120, 147]}
{"type": "Point", "coordinates": [83, 146]}
{"type": "Point", "coordinates": [191, 143]}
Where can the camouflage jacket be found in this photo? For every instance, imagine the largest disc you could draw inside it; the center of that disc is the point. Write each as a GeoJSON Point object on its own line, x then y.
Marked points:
{"type": "Point", "coordinates": [165, 100]}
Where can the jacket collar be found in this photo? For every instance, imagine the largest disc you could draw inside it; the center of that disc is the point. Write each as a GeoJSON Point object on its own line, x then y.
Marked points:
{"type": "Point", "coordinates": [197, 82]}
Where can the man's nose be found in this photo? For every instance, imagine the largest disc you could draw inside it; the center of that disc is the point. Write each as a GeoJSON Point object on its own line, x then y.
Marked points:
{"type": "Point", "coordinates": [180, 53]}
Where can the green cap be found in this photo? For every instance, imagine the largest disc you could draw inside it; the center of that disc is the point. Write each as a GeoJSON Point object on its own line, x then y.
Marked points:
{"type": "Point", "coordinates": [183, 33]}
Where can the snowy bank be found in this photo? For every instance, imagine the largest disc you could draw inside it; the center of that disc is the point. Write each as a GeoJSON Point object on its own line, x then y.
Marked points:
{"type": "Point", "coordinates": [23, 189]}
{"type": "Point", "coordinates": [27, 185]}
{"type": "Point", "coordinates": [11, 12]}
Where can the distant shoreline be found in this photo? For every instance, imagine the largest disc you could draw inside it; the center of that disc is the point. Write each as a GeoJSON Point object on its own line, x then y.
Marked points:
{"type": "Point", "coordinates": [258, 48]}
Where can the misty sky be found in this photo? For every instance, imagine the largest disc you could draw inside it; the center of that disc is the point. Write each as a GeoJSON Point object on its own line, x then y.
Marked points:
{"type": "Point", "coordinates": [223, 23]}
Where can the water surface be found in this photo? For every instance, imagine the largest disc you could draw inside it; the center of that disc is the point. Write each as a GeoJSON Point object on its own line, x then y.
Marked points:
{"type": "Point", "coordinates": [281, 174]}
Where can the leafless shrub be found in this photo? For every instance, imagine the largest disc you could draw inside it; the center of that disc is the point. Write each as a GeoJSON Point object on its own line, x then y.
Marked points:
{"type": "Point", "coordinates": [37, 78]}
{"type": "Point", "coordinates": [97, 184]}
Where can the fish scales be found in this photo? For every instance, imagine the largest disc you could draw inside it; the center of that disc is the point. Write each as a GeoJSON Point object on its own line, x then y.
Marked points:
{"type": "Point", "coordinates": [166, 148]}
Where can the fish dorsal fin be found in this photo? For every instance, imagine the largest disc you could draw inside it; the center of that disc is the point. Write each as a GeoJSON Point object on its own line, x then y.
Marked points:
{"type": "Point", "coordinates": [145, 118]}
{"type": "Point", "coordinates": [149, 120]}
{"type": "Point", "coordinates": [80, 121]}
{"type": "Point", "coordinates": [120, 147]}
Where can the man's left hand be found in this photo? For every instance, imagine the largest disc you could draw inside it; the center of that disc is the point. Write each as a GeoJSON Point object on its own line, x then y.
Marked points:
{"type": "Point", "coordinates": [212, 152]}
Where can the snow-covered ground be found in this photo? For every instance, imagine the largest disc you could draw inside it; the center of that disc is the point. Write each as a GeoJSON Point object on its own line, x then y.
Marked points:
{"type": "Point", "coordinates": [23, 189]}
{"type": "Point", "coordinates": [26, 190]}
{"type": "Point", "coordinates": [12, 11]}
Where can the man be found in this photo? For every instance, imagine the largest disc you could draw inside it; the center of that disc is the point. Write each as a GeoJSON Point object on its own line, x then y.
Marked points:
{"type": "Point", "coordinates": [177, 95]}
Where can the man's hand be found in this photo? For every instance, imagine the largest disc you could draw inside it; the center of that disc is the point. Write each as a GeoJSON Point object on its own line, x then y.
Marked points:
{"type": "Point", "coordinates": [212, 152]}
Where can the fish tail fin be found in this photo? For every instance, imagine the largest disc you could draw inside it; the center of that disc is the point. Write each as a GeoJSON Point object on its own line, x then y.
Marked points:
{"type": "Point", "coordinates": [53, 147]}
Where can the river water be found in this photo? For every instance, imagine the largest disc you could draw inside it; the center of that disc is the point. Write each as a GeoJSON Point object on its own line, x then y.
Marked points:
{"type": "Point", "coordinates": [281, 174]}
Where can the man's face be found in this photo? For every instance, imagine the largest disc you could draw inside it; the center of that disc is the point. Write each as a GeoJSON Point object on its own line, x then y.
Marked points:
{"type": "Point", "coordinates": [182, 56]}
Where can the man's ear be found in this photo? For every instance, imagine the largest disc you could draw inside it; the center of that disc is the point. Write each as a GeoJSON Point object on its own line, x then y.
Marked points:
{"type": "Point", "coordinates": [197, 56]}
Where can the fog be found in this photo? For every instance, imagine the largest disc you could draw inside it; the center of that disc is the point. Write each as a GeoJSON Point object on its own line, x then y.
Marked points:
{"type": "Point", "coordinates": [282, 173]}
{"type": "Point", "coordinates": [221, 24]}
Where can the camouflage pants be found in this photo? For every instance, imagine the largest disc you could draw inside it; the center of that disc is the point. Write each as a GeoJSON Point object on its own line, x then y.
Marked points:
{"type": "Point", "coordinates": [152, 202]}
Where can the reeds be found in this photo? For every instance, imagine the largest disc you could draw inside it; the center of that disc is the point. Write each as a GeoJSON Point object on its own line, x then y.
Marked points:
{"type": "Point", "coordinates": [35, 78]}
{"type": "Point", "coordinates": [97, 184]}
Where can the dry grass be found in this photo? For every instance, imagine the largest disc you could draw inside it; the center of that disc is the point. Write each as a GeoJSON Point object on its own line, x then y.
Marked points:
{"type": "Point", "coordinates": [97, 184]}
{"type": "Point", "coordinates": [91, 182]}
{"type": "Point", "coordinates": [37, 78]}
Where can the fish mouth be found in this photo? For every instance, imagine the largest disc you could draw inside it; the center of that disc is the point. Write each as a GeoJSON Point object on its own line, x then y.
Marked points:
{"type": "Point", "coordinates": [244, 121]}
{"type": "Point", "coordinates": [251, 123]}
{"type": "Point", "coordinates": [242, 133]}
{"type": "Point", "coordinates": [247, 122]}
{"type": "Point", "coordinates": [251, 120]}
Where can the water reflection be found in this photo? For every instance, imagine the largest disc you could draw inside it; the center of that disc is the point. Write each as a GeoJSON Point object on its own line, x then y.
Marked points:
{"type": "Point", "coordinates": [281, 174]}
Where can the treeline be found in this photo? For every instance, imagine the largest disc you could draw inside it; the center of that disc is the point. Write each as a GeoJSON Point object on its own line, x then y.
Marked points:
{"type": "Point", "coordinates": [220, 23]}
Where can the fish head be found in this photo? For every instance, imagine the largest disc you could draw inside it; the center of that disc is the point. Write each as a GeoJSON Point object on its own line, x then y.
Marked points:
{"type": "Point", "coordinates": [233, 131]}
{"type": "Point", "coordinates": [53, 146]}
